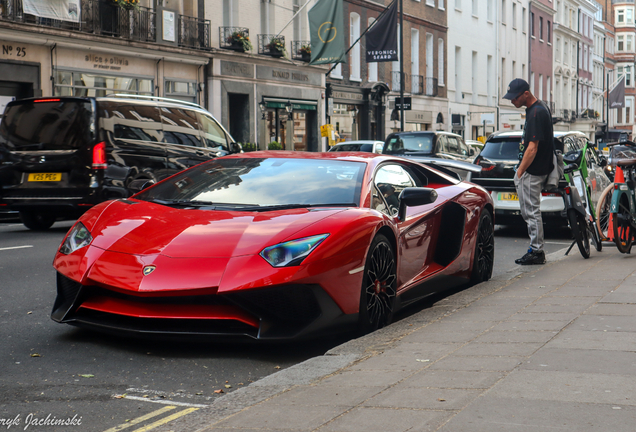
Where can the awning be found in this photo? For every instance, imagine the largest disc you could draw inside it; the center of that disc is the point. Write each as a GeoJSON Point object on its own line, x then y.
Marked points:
{"type": "Point", "coordinates": [297, 104]}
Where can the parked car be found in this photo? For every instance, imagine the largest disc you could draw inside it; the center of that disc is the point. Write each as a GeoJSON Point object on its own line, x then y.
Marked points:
{"type": "Point", "coordinates": [60, 156]}
{"type": "Point", "coordinates": [272, 246]}
{"type": "Point", "coordinates": [498, 159]}
{"type": "Point", "coordinates": [362, 145]}
{"type": "Point", "coordinates": [477, 145]}
{"type": "Point", "coordinates": [426, 146]}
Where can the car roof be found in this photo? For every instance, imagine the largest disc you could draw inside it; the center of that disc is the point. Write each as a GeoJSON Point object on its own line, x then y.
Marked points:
{"type": "Point", "coordinates": [426, 133]}
{"type": "Point", "coordinates": [358, 142]}
{"type": "Point", "coordinates": [518, 133]}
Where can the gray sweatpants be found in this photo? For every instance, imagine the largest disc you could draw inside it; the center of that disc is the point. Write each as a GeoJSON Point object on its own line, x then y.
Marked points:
{"type": "Point", "coordinates": [529, 191]}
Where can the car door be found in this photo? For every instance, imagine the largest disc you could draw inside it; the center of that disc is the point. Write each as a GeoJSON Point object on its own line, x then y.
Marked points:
{"type": "Point", "coordinates": [184, 146]}
{"type": "Point", "coordinates": [414, 232]}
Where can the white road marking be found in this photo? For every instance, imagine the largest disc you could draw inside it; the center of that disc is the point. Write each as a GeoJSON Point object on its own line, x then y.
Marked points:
{"type": "Point", "coordinates": [16, 247]}
{"type": "Point", "coordinates": [164, 402]}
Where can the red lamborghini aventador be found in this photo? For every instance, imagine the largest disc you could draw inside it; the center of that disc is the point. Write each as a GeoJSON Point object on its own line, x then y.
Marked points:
{"type": "Point", "coordinates": [274, 245]}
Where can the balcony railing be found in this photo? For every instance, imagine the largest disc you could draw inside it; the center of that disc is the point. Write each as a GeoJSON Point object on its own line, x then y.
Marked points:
{"type": "Point", "coordinates": [301, 50]}
{"type": "Point", "coordinates": [230, 38]}
{"type": "Point", "coordinates": [417, 84]}
{"type": "Point", "coordinates": [107, 19]}
{"type": "Point", "coordinates": [395, 81]}
{"type": "Point", "coordinates": [271, 45]}
{"type": "Point", "coordinates": [194, 32]}
{"type": "Point", "coordinates": [431, 86]}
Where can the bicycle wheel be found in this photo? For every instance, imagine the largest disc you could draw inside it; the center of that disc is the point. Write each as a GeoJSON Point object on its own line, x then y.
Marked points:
{"type": "Point", "coordinates": [603, 212]}
{"type": "Point", "coordinates": [578, 226]}
{"type": "Point", "coordinates": [622, 228]}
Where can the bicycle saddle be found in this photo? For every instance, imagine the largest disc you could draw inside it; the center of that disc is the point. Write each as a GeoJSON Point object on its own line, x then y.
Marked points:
{"type": "Point", "coordinates": [626, 162]}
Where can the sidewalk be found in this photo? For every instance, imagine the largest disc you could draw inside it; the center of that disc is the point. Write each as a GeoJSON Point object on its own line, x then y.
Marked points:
{"type": "Point", "coordinates": [546, 348]}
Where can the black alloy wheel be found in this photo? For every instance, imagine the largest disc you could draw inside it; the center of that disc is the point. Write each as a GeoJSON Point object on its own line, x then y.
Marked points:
{"type": "Point", "coordinates": [578, 225]}
{"type": "Point", "coordinates": [484, 256]}
{"type": "Point", "coordinates": [37, 221]}
{"type": "Point", "coordinates": [623, 235]}
{"type": "Point", "coordinates": [594, 235]}
{"type": "Point", "coordinates": [378, 293]}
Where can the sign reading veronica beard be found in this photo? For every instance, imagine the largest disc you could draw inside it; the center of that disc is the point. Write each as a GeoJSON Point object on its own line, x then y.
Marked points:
{"type": "Point", "coordinates": [63, 10]}
{"type": "Point", "coordinates": [382, 38]}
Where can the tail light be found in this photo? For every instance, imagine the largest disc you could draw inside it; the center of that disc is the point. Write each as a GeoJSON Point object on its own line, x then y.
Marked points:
{"type": "Point", "coordinates": [568, 190]}
{"type": "Point", "coordinates": [549, 194]}
{"type": "Point", "coordinates": [99, 156]}
{"type": "Point", "coordinates": [46, 100]}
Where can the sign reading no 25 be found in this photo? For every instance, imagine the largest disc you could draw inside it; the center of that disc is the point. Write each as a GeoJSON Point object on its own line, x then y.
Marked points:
{"type": "Point", "coordinates": [18, 52]}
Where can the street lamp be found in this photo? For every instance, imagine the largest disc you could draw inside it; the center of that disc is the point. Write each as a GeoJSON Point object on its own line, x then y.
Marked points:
{"type": "Point", "coordinates": [263, 135]}
{"type": "Point", "coordinates": [290, 124]}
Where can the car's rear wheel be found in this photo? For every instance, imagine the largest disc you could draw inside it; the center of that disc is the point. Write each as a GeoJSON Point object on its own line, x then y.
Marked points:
{"type": "Point", "coordinates": [378, 293]}
{"type": "Point", "coordinates": [578, 225]}
{"type": "Point", "coordinates": [37, 221]}
{"type": "Point", "coordinates": [484, 256]}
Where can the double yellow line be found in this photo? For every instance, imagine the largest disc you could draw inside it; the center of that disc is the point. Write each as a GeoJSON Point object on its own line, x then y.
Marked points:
{"type": "Point", "coordinates": [151, 415]}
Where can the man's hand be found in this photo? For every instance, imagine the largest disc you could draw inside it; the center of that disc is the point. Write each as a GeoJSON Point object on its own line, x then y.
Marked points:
{"type": "Point", "coordinates": [528, 157]}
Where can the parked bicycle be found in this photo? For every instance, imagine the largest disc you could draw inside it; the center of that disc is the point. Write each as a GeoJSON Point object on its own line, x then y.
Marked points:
{"type": "Point", "coordinates": [577, 199]}
{"type": "Point", "coordinates": [623, 208]}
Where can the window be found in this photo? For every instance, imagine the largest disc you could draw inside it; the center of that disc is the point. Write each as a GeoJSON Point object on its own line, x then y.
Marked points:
{"type": "Point", "coordinates": [532, 24]}
{"type": "Point", "coordinates": [503, 12]}
{"type": "Point", "coordinates": [475, 8]}
{"type": "Point", "coordinates": [372, 68]}
{"type": "Point", "coordinates": [395, 66]}
{"type": "Point", "coordinates": [629, 43]}
{"type": "Point", "coordinates": [354, 34]}
{"type": "Point", "coordinates": [557, 50]}
{"type": "Point", "coordinates": [549, 34]}
{"type": "Point", "coordinates": [182, 90]}
{"type": "Point", "coordinates": [541, 28]}
{"type": "Point", "coordinates": [458, 4]}
{"type": "Point", "coordinates": [489, 80]}
{"type": "Point", "coordinates": [629, 15]}
{"type": "Point", "coordinates": [474, 77]}
{"type": "Point", "coordinates": [620, 16]}
{"type": "Point", "coordinates": [523, 20]}
{"type": "Point", "coordinates": [532, 87]}
{"type": "Point", "coordinates": [458, 74]}
{"type": "Point", "coordinates": [541, 95]}
{"type": "Point", "coordinates": [69, 83]}
{"type": "Point", "coordinates": [440, 61]}
{"type": "Point", "coordinates": [429, 64]}
{"type": "Point", "coordinates": [415, 61]}
{"type": "Point", "coordinates": [620, 43]}
{"type": "Point", "coordinates": [337, 72]}
{"type": "Point", "coordinates": [489, 10]}
{"type": "Point", "coordinates": [547, 90]}
{"type": "Point", "coordinates": [230, 13]}
{"type": "Point", "coordinates": [440, 4]}
{"type": "Point", "coordinates": [430, 3]}
{"type": "Point", "coordinates": [566, 52]}
{"type": "Point", "coordinates": [514, 15]}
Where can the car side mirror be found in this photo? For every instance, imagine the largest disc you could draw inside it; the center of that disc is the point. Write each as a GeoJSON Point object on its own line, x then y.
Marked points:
{"type": "Point", "coordinates": [471, 152]}
{"type": "Point", "coordinates": [139, 185]}
{"type": "Point", "coordinates": [236, 147]}
{"type": "Point", "coordinates": [415, 196]}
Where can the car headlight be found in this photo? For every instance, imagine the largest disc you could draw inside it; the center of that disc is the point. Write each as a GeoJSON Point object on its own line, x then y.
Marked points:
{"type": "Point", "coordinates": [293, 252]}
{"type": "Point", "coordinates": [76, 239]}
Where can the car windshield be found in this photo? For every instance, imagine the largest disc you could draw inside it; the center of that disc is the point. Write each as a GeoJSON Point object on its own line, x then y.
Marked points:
{"type": "Point", "coordinates": [505, 148]}
{"type": "Point", "coordinates": [406, 143]}
{"type": "Point", "coordinates": [261, 183]}
{"type": "Point", "coordinates": [351, 147]}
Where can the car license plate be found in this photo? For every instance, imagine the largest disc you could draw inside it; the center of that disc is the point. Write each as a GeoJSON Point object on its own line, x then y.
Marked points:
{"type": "Point", "coordinates": [39, 177]}
{"type": "Point", "coordinates": [508, 196]}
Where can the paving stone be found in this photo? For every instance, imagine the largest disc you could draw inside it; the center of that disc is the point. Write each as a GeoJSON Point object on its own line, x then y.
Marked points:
{"type": "Point", "coordinates": [452, 379]}
{"type": "Point", "coordinates": [268, 415]}
{"type": "Point", "coordinates": [612, 309]}
{"type": "Point", "coordinates": [453, 362]}
{"type": "Point", "coordinates": [525, 316]}
{"type": "Point", "coordinates": [370, 419]}
{"type": "Point", "coordinates": [498, 349]}
{"type": "Point", "coordinates": [565, 300]}
{"type": "Point", "coordinates": [401, 396]}
{"type": "Point", "coordinates": [568, 387]}
{"type": "Point", "coordinates": [366, 378]}
{"type": "Point", "coordinates": [327, 394]}
{"type": "Point", "coordinates": [490, 414]}
{"type": "Point", "coordinates": [601, 340]}
{"type": "Point", "coordinates": [423, 349]}
{"type": "Point", "coordinates": [555, 308]}
{"type": "Point", "coordinates": [620, 297]}
{"type": "Point", "coordinates": [614, 323]}
{"type": "Point", "coordinates": [555, 325]}
{"type": "Point", "coordinates": [578, 360]}
{"type": "Point", "coordinates": [391, 362]}
{"type": "Point", "coordinates": [584, 289]}
{"type": "Point", "coordinates": [433, 336]}
{"type": "Point", "coordinates": [515, 337]}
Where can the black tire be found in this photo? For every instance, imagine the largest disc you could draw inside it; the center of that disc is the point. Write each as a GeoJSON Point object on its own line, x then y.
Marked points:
{"type": "Point", "coordinates": [603, 211]}
{"type": "Point", "coordinates": [379, 285]}
{"type": "Point", "coordinates": [623, 234]}
{"type": "Point", "coordinates": [37, 221]}
{"type": "Point", "coordinates": [484, 255]}
{"type": "Point", "coordinates": [578, 225]}
{"type": "Point", "coordinates": [595, 236]}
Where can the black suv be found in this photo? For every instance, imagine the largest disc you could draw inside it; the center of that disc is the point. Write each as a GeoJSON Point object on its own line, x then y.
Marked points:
{"type": "Point", "coordinates": [60, 156]}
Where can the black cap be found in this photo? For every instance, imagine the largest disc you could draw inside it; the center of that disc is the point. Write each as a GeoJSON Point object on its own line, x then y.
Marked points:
{"type": "Point", "coordinates": [516, 87]}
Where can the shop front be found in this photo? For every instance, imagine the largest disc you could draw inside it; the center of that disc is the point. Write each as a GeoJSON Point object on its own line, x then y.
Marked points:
{"type": "Point", "coordinates": [357, 113]}
{"type": "Point", "coordinates": [268, 103]}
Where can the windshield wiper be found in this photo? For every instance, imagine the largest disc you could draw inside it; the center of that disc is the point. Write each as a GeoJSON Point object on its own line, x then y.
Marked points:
{"type": "Point", "coordinates": [183, 203]}
{"type": "Point", "coordinates": [295, 206]}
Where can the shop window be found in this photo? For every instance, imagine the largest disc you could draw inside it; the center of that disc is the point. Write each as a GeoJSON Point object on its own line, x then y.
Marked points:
{"type": "Point", "coordinates": [182, 90]}
{"type": "Point", "coordinates": [92, 85]}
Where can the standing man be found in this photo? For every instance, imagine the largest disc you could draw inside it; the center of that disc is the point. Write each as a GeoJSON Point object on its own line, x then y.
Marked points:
{"type": "Point", "coordinates": [535, 163]}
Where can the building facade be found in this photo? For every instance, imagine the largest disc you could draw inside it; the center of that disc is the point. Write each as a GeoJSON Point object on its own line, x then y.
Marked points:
{"type": "Point", "coordinates": [472, 65]}
{"type": "Point", "coordinates": [541, 50]}
{"type": "Point", "coordinates": [624, 55]}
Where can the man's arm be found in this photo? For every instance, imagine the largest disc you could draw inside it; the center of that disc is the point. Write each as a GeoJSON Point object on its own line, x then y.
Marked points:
{"type": "Point", "coordinates": [528, 157]}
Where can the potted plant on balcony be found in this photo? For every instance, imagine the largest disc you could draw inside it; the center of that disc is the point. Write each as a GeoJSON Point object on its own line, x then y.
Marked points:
{"type": "Point", "coordinates": [276, 47]}
{"type": "Point", "coordinates": [305, 53]}
{"type": "Point", "coordinates": [126, 4]}
{"type": "Point", "coordinates": [240, 41]}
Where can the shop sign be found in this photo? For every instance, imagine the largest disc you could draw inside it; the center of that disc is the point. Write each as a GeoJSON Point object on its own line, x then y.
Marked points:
{"type": "Point", "coordinates": [295, 106]}
{"type": "Point", "coordinates": [347, 96]}
{"type": "Point", "coordinates": [237, 69]}
{"type": "Point", "coordinates": [289, 76]}
{"type": "Point", "coordinates": [416, 116]}
{"type": "Point", "coordinates": [106, 62]}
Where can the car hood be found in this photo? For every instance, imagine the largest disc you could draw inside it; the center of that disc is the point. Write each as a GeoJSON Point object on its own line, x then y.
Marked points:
{"type": "Point", "coordinates": [142, 228]}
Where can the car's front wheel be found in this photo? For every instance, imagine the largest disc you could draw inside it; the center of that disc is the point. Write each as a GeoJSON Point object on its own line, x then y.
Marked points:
{"type": "Point", "coordinates": [484, 256]}
{"type": "Point", "coordinates": [37, 221]}
{"type": "Point", "coordinates": [379, 284]}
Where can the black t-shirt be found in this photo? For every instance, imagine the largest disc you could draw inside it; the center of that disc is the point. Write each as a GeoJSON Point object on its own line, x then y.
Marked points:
{"type": "Point", "coordinates": [538, 127]}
